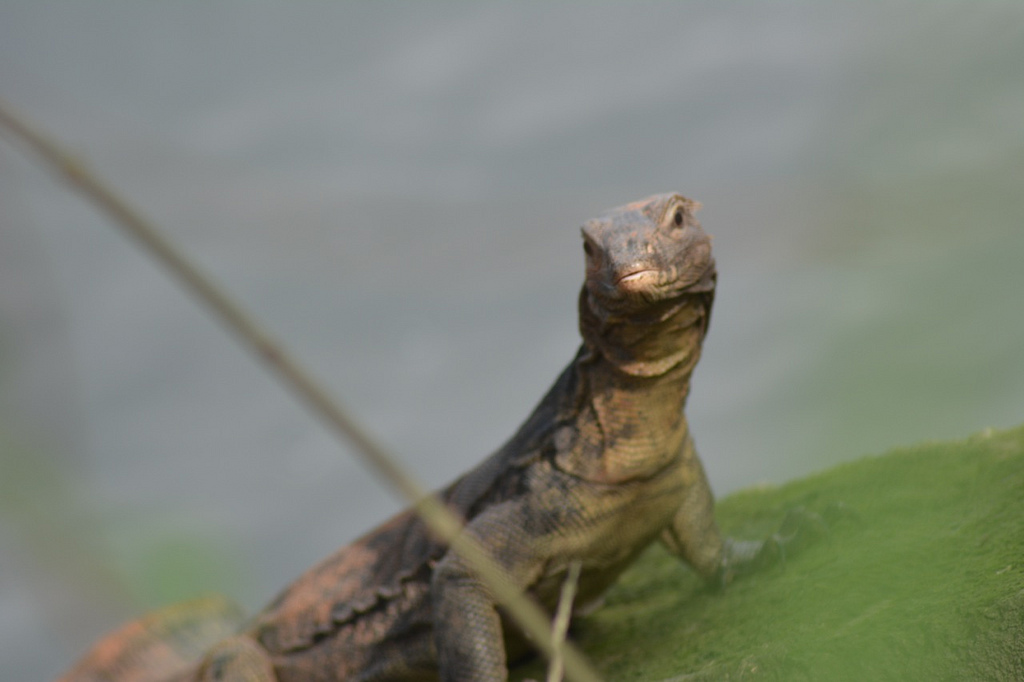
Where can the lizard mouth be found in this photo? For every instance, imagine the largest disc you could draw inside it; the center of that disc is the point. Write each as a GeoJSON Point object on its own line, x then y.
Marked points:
{"type": "Point", "coordinates": [641, 281]}
{"type": "Point", "coordinates": [633, 275]}
{"type": "Point", "coordinates": [655, 283]}
{"type": "Point", "coordinates": [637, 278]}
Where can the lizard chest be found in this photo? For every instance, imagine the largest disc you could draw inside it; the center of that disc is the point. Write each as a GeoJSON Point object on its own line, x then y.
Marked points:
{"type": "Point", "coordinates": [602, 526]}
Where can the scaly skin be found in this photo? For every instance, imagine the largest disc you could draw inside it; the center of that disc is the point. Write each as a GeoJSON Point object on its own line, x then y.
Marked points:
{"type": "Point", "coordinates": [604, 466]}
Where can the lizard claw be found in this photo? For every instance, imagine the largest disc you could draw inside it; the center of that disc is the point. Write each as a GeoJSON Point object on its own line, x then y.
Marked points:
{"type": "Point", "coordinates": [799, 529]}
{"type": "Point", "coordinates": [743, 557]}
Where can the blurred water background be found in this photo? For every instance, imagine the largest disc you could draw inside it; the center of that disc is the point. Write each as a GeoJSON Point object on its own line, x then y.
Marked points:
{"type": "Point", "coordinates": [395, 189]}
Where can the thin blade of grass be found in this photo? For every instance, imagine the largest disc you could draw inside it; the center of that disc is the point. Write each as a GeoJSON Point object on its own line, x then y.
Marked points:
{"type": "Point", "coordinates": [526, 613]}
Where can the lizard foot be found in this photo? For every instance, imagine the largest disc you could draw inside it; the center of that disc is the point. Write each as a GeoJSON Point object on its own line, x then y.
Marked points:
{"type": "Point", "coordinates": [799, 529]}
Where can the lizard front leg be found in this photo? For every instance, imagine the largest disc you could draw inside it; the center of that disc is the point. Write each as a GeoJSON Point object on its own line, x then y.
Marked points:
{"type": "Point", "coordinates": [467, 625]}
{"type": "Point", "coordinates": [693, 534]}
{"type": "Point", "coordinates": [694, 537]}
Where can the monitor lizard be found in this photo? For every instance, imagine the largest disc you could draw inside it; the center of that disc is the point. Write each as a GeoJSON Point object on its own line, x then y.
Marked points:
{"type": "Point", "coordinates": [604, 466]}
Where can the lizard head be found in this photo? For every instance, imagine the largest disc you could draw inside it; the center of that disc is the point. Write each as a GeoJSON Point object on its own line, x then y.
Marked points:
{"type": "Point", "coordinates": [647, 252]}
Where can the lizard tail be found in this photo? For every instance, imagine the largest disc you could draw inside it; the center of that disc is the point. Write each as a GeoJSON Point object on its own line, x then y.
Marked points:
{"type": "Point", "coordinates": [159, 646]}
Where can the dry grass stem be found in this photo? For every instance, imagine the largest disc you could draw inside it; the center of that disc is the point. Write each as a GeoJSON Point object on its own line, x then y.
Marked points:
{"type": "Point", "coordinates": [527, 614]}
{"type": "Point", "coordinates": [563, 615]}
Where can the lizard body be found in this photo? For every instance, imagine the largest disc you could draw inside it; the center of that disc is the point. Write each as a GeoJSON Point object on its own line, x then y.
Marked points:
{"type": "Point", "coordinates": [603, 466]}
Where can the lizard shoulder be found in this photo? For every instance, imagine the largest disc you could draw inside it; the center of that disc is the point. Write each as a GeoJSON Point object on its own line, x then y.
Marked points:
{"type": "Point", "coordinates": [378, 567]}
{"type": "Point", "coordinates": [353, 581]}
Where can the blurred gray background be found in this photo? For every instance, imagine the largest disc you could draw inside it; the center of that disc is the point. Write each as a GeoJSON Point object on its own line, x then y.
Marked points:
{"type": "Point", "coordinates": [396, 190]}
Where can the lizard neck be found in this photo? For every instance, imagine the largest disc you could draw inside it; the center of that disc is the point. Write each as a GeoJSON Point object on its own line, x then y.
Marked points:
{"type": "Point", "coordinates": [635, 376]}
{"type": "Point", "coordinates": [662, 342]}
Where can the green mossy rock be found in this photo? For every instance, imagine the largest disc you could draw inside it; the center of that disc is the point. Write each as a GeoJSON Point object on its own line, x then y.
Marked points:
{"type": "Point", "coordinates": [921, 579]}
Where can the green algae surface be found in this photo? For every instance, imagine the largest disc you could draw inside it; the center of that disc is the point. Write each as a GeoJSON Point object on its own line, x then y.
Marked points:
{"type": "Point", "coordinates": [920, 577]}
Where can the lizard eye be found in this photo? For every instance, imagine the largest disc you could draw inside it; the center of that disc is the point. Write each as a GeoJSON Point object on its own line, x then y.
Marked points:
{"type": "Point", "coordinates": [677, 219]}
